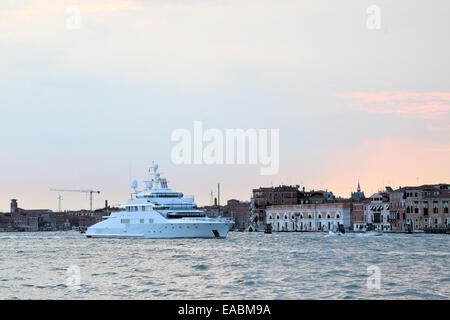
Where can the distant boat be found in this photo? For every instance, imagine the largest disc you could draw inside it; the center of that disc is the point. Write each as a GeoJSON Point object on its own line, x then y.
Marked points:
{"type": "Point", "coordinates": [373, 233]}
{"type": "Point", "coordinates": [334, 234]}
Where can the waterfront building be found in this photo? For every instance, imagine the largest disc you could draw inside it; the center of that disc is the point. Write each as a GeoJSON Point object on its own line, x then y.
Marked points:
{"type": "Point", "coordinates": [16, 209]}
{"type": "Point", "coordinates": [239, 212]}
{"type": "Point", "coordinates": [19, 222]}
{"type": "Point", "coordinates": [6, 223]}
{"type": "Point", "coordinates": [376, 212]}
{"type": "Point", "coordinates": [358, 218]}
{"type": "Point", "coordinates": [33, 220]}
{"type": "Point", "coordinates": [19, 219]}
{"type": "Point", "coordinates": [397, 212]}
{"type": "Point", "coordinates": [284, 195]}
{"type": "Point", "coordinates": [236, 210]}
{"type": "Point", "coordinates": [420, 207]}
{"type": "Point", "coordinates": [213, 211]}
{"type": "Point", "coordinates": [309, 217]}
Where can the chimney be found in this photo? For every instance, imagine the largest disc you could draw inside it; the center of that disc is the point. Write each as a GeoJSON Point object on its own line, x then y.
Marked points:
{"type": "Point", "coordinates": [14, 206]}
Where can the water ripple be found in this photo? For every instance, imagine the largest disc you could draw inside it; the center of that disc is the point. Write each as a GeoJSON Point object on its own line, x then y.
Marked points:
{"type": "Point", "coordinates": [243, 266]}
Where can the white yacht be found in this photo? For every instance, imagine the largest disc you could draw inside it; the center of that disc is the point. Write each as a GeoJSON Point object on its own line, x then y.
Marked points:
{"type": "Point", "coordinates": [159, 212]}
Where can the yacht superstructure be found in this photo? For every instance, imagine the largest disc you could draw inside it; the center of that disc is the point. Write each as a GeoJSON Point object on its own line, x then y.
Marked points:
{"type": "Point", "coordinates": [159, 212]}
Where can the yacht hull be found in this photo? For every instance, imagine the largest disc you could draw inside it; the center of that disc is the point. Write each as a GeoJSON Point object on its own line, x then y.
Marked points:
{"type": "Point", "coordinates": [163, 231]}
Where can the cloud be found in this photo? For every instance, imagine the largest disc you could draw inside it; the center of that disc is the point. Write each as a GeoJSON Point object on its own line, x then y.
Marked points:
{"type": "Point", "coordinates": [423, 105]}
{"type": "Point", "coordinates": [386, 161]}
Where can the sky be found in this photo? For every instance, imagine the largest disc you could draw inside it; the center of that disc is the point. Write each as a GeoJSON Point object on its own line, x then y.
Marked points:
{"type": "Point", "coordinates": [89, 103]}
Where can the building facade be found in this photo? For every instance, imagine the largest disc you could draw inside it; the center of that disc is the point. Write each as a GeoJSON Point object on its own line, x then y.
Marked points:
{"type": "Point", "coordinates": [284, 195]}
{"type": "Point", "coordinates": [18, 220]}
{"type": "Point", "coordinates": [239, 211]}
{"type": "Point", "coordinates": [418, 208]}
{"type": "Point", "coordinates": [358, 218]}
{"type": "Point", "coordinates": [376, 213]}
{"type": "Point", "coordinates": [309, 217]}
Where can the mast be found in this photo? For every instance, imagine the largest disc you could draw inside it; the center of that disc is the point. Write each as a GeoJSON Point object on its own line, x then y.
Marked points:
{"type": "Point", "coordinates": [218, 198]}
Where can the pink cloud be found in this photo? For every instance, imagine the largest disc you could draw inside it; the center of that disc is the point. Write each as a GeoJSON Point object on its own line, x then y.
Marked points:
{"type": "Point", "coordinates": [386, 161]}
{"type": "Point", "coordinates": [425, 105]}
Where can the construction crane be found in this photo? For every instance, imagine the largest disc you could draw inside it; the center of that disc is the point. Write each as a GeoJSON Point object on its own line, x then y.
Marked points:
{"type": "Point", "coordinates": [85, 191]}
{"type": "Point", "coordinates": [59, 202]}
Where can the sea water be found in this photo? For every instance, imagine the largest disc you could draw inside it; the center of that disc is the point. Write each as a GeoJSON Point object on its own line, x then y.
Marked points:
{"type": "Point", "coordinates": [245, 265]}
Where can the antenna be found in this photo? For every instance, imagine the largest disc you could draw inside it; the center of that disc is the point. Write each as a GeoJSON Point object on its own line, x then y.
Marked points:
{"type": "Point", "coordinates": [134, 185]}
{"type": "Point", "coordinates": [218, 197]}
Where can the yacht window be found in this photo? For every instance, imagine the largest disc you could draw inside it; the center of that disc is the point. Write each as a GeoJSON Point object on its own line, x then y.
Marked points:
{"type": "Point", "coordinates": [143, 208]}
{"type": "Point", "coordinates": [150, 220]}
{"type": "Point", "coordinates": [142, 220]}
{"type": "Point", "coordinates": [124, 220]}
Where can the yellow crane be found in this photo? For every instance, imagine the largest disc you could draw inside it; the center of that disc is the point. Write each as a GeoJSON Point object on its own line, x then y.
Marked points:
{"type": "Point", "coordinates": [84, 191]}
